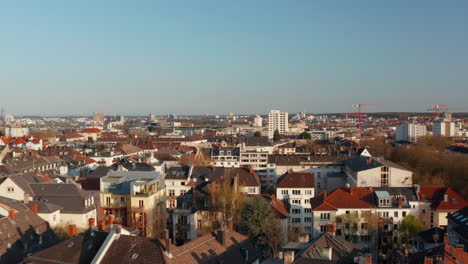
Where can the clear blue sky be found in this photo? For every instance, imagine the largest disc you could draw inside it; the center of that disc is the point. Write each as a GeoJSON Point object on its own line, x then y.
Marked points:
{"type": "Point", "coordinates": [197, 57]}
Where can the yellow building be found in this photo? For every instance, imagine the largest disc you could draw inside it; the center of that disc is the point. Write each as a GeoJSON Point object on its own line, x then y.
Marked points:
{"type": "Point", "coordinates": [135, 199]}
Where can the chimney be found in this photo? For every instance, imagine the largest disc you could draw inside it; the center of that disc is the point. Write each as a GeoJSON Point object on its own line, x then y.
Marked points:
{"type": "Point", "coordinates": [328, 252]}
{"type": "Point", "coordinates": [72, 230]}
{"type": "Point", "coordinates": [325, 194]}
{"type": "Point", "coordinates": [273, 197]}
{"type": "Point", "coordinates": [400, 202]}
{"type": "Point", "coordinates": [102, 226]}
{"type": "Point", "coordinates": [446, 239]}
{"type": "Point", "coordinates": [428, 260]}
{"type": "Point", "coordinates": [167, 241]}
{"type": "Point", "coordinates": [331, 229]}
{"type": "Point", "coordinates": [12, 214]}
{"type": "Point", "coordinates": [35, 208]}
{"type": "Point", "coordinates": [368, 259]}
{"type": "Point", "coordinates": [214, 168]}
{"type": "Point", "coordinates": [221, 236]}
{"type": "Point", "coordinates": [110, 220]}
{"type": "Point", "coordinates": [445, 198]}
{"type": "Point", "coordinates": [250, 169]}
{"type": "Point", "coordinates": [46, 178]}
{"type": "Point", "coordinates": [91, 222]}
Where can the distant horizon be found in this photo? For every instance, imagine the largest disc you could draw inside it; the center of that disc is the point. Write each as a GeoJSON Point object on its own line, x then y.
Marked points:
{"type": "Point", "coordinates": [218, 114]}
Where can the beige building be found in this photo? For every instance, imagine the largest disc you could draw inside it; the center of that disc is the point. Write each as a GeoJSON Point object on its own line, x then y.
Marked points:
{"type": "Point", "coordinates": [135, 199]}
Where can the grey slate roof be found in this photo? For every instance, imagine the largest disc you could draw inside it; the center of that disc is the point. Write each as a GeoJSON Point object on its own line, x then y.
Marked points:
{"type": "Point", "coordinates": [358, 164]}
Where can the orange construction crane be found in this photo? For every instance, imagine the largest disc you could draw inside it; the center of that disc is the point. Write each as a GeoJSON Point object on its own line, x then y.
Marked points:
{"type": "Point", "coordinates": [360, 115]}
{"type": "Point", "coordinates": [437, 108]}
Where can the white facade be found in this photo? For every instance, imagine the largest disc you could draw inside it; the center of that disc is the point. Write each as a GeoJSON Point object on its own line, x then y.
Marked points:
{"type": "Point", "coordinates": [257, 121]}
{"type": "Point", "coordinates": [410, 132]}
{"type": "Point", "coordinates": [444, 128]}
{"type": "Point", "coordinates": [16, 131]}
{"type": "Point", "coordinates": [277, 120]}
{"type": "Point", "coordinates": [300, 208]}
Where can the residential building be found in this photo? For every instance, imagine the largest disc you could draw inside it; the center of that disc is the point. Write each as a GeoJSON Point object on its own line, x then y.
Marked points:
{"type": "Point", "coordinates": [410, 132]}
{"type": "Point", "coordinates": [22, 232]}
{"type": "Point", "coordinates": [16, 131]}
{"type": "Point", "coordinates": [77, 205]}
{"type": "Point", "coordinates": [277, 120]}
{"type": "Point", "coordinates": [90, 133]}
{"type": "Point", "coordinates": [365, 171]}
{"type": "Point", "coordinates": [93, 246]}
{"type": "Point", "coordinates": [296, 189]}
{"type": "Point", "coordinates": [177, 181]}
{"type": "Point", "coordinates": [257, 122]}
{"type": "Point", "coordinates": [135, 199]}
{"type": "Point", "coordinates": [225, 157]}
{"type": "Point", "coordinates": [436, 203]}
{"type": "Point", "coordinates": [457, 228]}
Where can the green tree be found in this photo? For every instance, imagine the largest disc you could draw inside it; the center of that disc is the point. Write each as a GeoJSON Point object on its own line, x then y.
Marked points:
{"type": "Point", "coordinates": [257, 134]}
{"type": "Point", "coordinates": [276, 136]}
{"type": "Point", "coordinates": [259, 222]}
{"type": "Point", "coordinates": [180, 235]}
{"type": "Point", "coordinates": [409, 227]}
{"type": "Point", "coordinates": [304, 135]}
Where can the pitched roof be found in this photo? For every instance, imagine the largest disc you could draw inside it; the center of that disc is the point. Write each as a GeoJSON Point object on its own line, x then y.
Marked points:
{"type": "Point", "coordinates": [436, 195]}
{"type": "Point", "coordinates": [362, 163]}
{"type": "Point", "coordinates": [79, 249]}
{"type": "Point", "coordinates": [66, 195]}
{"type": "Point", "coordinates": [90, 130]}
{"type": "Point", "coordinates": [207, 249]}
{"type": "Point", "coordinates": [342, 250]}
{"type": "Point", "coordinates": [296, 180]}
{"type": "Point", "coordinates": [134, 249]}
{"type": "Point", "coordinates": [353, 197]}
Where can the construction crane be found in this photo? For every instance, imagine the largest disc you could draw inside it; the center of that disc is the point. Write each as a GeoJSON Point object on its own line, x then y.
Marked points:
{"type": "Point", "coordinates": [360, 115]}
{"type": "Point", "coordinates": [437, 108]}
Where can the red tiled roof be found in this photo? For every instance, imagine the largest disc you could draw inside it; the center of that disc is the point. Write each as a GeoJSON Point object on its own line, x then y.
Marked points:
{"type": "Point", "coordinates": [353, 197]}
{"type": "Point", "coordinates": [297, 180]}
{"type": "Point", "coordinates": [90, 130]}
{"type": "Point", "coordinates": [436, 194]}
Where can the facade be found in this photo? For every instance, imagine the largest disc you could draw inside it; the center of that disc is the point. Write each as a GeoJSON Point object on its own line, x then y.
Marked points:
{"type": "Point", "coordinates": [257, 122]}
{"type": "Point", "coordinates": [277, 120]}
{"type": "Point", "coordinates": [410, 132]}
{"type": "Point", "coordinates": [177, 181]}
{"type": "Point", "coordinates": [365, 171]}
{"type": "Point", "coordinates": [296, 189]}
{"type": "Point", "coordinates": [226, 157]}
{"type": "Point", "coordinates": [16, 131]}
{"type": "Point", "coordinates": [135, 199]}
{"type": "Point", "coordinates": [444, 128]}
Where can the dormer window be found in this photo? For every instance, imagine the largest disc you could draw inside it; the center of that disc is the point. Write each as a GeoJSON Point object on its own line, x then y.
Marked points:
{"type": "Point", "coordinates": [384, 202]}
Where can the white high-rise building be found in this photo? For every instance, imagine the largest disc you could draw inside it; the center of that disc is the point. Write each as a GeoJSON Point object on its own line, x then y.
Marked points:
{"type": "Point", "coordinates": [257, 121]}
{"type": "Point", "coordinates": [410, 132]}
{"type": "Point", "coordinates": [277, 120]}
{"type": "Point", "coordinates": [444, 127]}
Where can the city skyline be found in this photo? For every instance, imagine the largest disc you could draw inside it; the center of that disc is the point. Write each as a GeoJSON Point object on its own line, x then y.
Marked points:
{"type": "Point", "coordinates": [243, 57]}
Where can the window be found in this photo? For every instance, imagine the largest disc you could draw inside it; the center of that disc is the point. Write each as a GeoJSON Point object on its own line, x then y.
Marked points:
{"type": "Point", "coordinates": [108, 200]}
{"type": "Point", "coordinates": [199, 224]}
{"type": "Point", "coordinates": [141, 204]}
{"type": "Point", "coordinates": [122, 199]}
{"type": "Point", "coordinates": [347, 212]}
{"type": "Point", "coordinates": [308, 229]}
{"type": "Point", "coordinates": [308, 192]}
{"type": "Point", "coordinates": [296, 201]}
{"type": "Point", "coordinates": [364, 226]}
{"type": "Point", "coordinates": [385, 214]}
{"type": "Point", "coordinates": [296, 211]}
{"type": "Point", "coordinates": [338, 232]}
{"type": "Point", "coordinates": [365, 238]}
{"type": "Point", "coordinates": [423, 211]}
{"type": "Point", "coordinates": [403, 214]}
{"type": "Point", "coordinates": [171, 204]}
{"type": "Point", "coordinates": [10, 189]}
{"type": "Point", "coordinates": [307, 219]}
{"type": "Point", "coordinates": [182, 192]}
{"type": "Point", "coordinates": [325, 216]}
{"type": "Point", "coordinates": [284, 191]}
{"type": "Point", "coordinates": [347, 226]}
{"type": "Point", "coordinates": [171, 192]}
{"type": "Point", "coordinates": [307, 210]}
{"type": "Point", "coordinates": [296, 192]}
{"type": "Point", "coordinates": [296, 220]}
{"type": "Point", "coordinates": [318, 185]}
{"type": "Point", "coordinates": [395, 214]}
{"type": "Point", "coordinates": [323, 228]}
{"type": "Point", "coordinates": [318, 174]}
{"type": "Point", "coordinates": [384, 176]}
